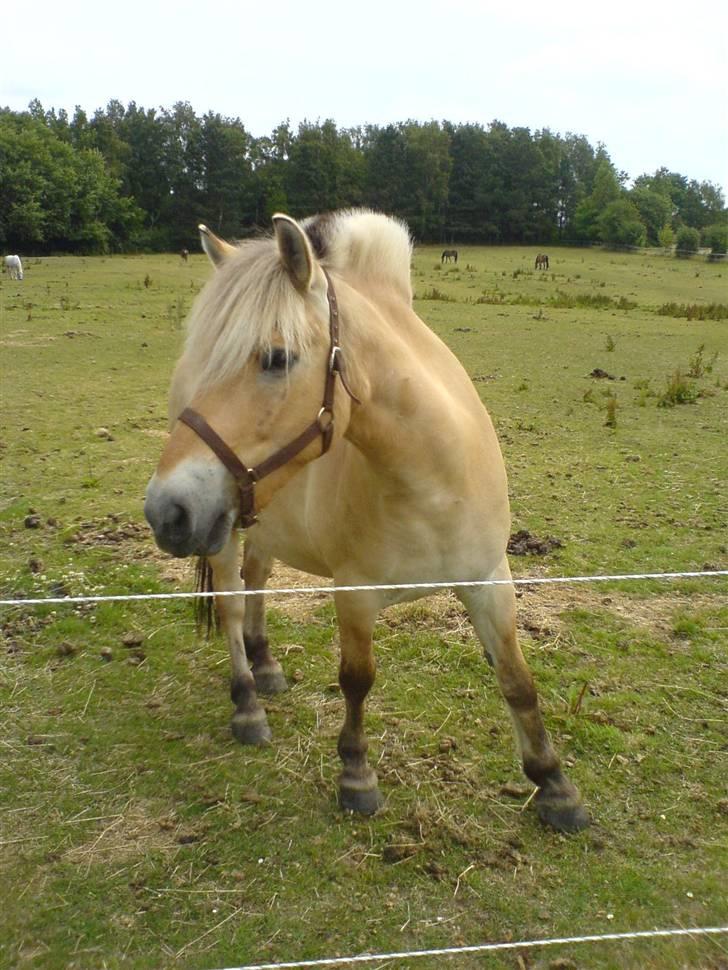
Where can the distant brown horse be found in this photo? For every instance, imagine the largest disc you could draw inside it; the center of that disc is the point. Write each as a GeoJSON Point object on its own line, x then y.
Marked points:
{"type": "Point", "coordinates": [542, 261]}
{"type": "Point", "coordinates": [184, 253]}
{"type": "Point", "coordinates": [449, 256]}
{"type": "Point", "coordinates": [313, 407]}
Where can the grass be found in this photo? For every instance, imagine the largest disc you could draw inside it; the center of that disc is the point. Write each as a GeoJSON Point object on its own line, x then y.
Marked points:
{"type": "Point", "coordinates": [134, 831]}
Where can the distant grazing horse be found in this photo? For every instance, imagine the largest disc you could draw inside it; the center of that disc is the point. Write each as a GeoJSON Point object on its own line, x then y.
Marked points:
{"type": "Point", "coordinates": [184, 253]}
{"type": "Point", "coordinates": [313, 407]}
{"type": "Point", "coordinates": [14, 267]}
{"type": "Point", "coordinates": [449, 255]}
{"type": "Point", "coordinates": [542, 261]}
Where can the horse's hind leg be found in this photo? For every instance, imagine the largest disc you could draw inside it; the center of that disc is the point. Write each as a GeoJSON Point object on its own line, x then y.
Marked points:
{"type": "Point", "coordinates": [356, 612]}
{"type": "Point", "coordinates": [249, 723]}
{"type": "Point", "coordinates": [268, 673]}
{"type": "Point", "coordinates": [492, 610]}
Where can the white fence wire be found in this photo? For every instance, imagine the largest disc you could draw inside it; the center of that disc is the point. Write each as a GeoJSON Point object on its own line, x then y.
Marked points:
{"type": "Point", "coordinates": [482, 948]}
{"type": "Point", "coordinates": [384, 587]}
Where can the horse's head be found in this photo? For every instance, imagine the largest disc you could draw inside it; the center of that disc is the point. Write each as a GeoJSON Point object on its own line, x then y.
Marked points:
{"type": "Point", "coordinates": [254, 369]}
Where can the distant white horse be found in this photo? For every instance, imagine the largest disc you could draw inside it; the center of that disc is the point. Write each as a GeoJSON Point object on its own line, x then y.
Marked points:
{"type": "Point", "coordinates": [14, 267]}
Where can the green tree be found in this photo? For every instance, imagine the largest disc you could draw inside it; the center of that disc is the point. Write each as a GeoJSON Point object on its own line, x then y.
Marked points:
{"type": "Point", "coordinates": [716, 237]}
{"type": "Point", "coordinates": [654, 210]}
{"type": "Point", "coordinates": [619, 224]}
{"type": "Point", "coordinates": [666, 236]}
{"type": "Point", "coordinates": [687, 241]}
{"type": "Point", "coordinates": [322, 171]}
{"type": "Point", "coordinates": [606, 190]}
{"type": "Point", "coordinates": [230, 189]}
{"type": "Point", "coordinates": [54, 196]}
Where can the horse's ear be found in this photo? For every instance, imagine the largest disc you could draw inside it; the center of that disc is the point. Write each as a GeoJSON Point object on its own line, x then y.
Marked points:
{"type": "Point", "coordinates": [217, 249]}
{"type": "Point", "coordinates": [295, 251]}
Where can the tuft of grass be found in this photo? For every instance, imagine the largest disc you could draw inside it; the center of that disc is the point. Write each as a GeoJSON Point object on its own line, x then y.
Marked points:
{"type": "Point", "coordinates": [695, 311]}
{"type": "Point", "coordinates": [434, 293]}
{"type": "Point", "coordinates": [699, 366]}
{"type": "Point", "coordinates": [177, 311]}
{"type": "Point", "coordinates": [611, 421]}
{"type": "Point", "coordinates": [678, 390]}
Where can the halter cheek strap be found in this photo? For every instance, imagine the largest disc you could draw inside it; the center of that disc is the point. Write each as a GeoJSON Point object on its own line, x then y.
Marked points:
{"type": "Point", "coordinates": [322, 425]}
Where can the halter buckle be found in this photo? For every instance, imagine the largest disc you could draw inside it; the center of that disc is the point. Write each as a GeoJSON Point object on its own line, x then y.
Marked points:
{"type": "Point", "coordinates": [335, 353]}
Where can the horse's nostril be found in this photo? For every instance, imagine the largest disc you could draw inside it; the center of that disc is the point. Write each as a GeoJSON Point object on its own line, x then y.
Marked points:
{"type": "Point", "coordinates": [177, 520]}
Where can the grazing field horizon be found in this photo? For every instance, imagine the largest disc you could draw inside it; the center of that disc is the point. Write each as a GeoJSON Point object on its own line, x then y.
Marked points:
{"type": "Point", "coordinates": [136, 833]}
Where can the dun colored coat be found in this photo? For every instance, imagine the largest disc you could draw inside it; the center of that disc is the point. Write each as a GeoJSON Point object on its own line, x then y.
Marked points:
{"type": "Point", "coordinates": [411, 487]}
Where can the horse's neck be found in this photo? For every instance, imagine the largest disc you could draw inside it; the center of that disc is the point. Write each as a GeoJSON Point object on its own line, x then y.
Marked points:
{"type": "Point", "coordinates": [405, 372]}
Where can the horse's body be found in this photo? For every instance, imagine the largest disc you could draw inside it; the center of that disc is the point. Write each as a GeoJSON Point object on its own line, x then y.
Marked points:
{"type": "Point", "coordinates": [542, 261]}
{"type": "Point", "coordinates": [183, 254]}
{"type": "Point", "coordinates": [412, 489]}
{"type": "Point", "coordinates": [449, 256]}
{"type": "Point", "coordinates": [14, 267]}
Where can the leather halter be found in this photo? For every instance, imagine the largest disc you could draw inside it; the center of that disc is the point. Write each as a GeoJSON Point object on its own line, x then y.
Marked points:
{"type": "Point", "coordinates": [322, 425]}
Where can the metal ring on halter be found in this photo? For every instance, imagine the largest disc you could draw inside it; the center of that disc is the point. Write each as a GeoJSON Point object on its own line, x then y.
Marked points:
{"type": "Point", "coordinates": [325, 410]}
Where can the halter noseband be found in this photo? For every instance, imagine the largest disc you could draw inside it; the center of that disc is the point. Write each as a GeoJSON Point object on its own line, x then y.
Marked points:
{"type": "Point", "coordinates": [322, 425]}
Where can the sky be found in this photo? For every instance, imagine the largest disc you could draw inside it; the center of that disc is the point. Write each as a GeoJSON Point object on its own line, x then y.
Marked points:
{"type": "Point", "coordinates": [646, 79]}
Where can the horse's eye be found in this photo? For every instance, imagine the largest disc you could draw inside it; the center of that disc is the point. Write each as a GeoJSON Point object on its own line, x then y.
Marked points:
{"type": "Point", "coordinates": [277, 360]}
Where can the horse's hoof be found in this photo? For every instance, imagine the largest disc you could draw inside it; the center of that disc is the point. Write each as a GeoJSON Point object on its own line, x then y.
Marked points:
{"type": "Point", "coordinates": [364, 801]}
{"type": "Point", "coordinates": [250, 727]}
{"type": "Point", "coordinates": [270, 681]}
{"type": "Point", "coordinates": [563, 812]}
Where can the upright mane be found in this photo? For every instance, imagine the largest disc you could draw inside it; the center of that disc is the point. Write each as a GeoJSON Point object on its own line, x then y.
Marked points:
{"type": "Point", "coordinates": [251, 300]}
{"type": "Point", "coordinates": [364, 244]}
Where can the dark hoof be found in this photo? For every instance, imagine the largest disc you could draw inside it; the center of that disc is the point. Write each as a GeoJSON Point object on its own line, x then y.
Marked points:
{"type": "Point", "coordinates": [365, 801]}
{"type": "Point", "coordinates": [250, 728]}
{"type": "Point", "coordinates": [270, 681]}
{"type": "Point", "coordinates": [563, 812]}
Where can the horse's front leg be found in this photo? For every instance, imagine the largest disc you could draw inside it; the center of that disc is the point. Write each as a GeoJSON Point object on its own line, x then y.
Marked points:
{"type": "Point", "coordinates": [249, 724]}
{"type": "Point", "coordinates": [268, 673]}
{"type": "Point", "coordinates": [356, 612]}
{"type": "Point", "coordinates": [492, 610]}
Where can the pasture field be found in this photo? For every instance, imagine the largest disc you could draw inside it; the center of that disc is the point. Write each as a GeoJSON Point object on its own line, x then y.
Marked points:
{"type": "Point", "coordinates": [135, 833]}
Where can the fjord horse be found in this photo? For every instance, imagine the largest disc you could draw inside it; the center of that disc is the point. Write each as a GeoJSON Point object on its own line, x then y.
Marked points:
{"type": "Point", "coordinates": [542, 261]}
{"type": "Point", "coordinates": [314, 407]}
{"type": "Point", "coordinates": [449, 256]}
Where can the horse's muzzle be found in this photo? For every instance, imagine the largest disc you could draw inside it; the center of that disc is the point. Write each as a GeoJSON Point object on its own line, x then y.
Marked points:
{"type": "Point", "coordinates": [181, 527]}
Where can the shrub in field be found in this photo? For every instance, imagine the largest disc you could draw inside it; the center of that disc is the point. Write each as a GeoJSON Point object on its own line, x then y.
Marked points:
{"type": "Point", "coordinates": [490, 297]}
{"type": "Point", "coordinates": [596, 301]}
{"type": "Point", "coordinates": [666, 237]}
{"type": "Point", "coordinates": [687, 241]}
{"type": "Point", "coordinates": [435, 294]}
{"type": "Point", "coordinates": [610, 345]}
{"type": "Point", "coordinates": [699, 365]}
{"type": "Point", "coordinates": [695, 311]}
{"type": "Point", "coordinates": [620, 225]}
{"type": "Point", "coordinates": [679, 390]}
{"type": "Point", "coordinates": [716, 238]}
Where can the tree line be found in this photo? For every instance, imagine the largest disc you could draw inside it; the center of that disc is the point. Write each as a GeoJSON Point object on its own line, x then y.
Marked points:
{"type": "Point", "coordinates": [140, 179]}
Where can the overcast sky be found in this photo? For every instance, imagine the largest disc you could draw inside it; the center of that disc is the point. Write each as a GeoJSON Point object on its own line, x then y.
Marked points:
{"type": "Point", "coordinates": [646, 79]}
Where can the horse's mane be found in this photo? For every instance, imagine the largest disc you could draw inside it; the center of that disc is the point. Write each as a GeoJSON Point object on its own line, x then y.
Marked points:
{"type": "Point", "coordinates": [365, 244]}
{"type": "Point", "coordinates": [251, 300]}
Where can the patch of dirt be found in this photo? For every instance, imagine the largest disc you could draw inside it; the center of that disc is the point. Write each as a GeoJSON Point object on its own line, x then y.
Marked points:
{"type": "Point", "coordinates": [109, 532]}
{"type": "Point", "coordinates": [522, 543]}
{"type": "Point", "coordinates": [25, 338]}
